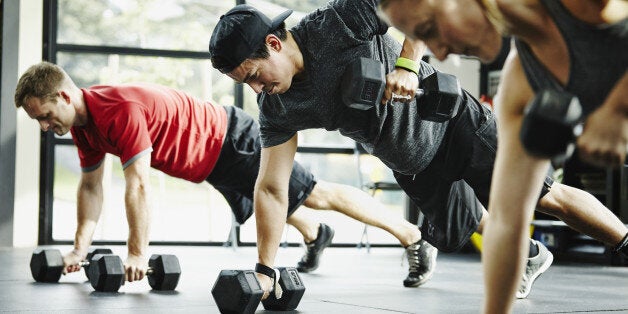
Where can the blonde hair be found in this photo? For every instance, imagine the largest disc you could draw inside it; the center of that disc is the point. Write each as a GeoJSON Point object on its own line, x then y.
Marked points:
{"type": "Point", "coordinates": [495, 16]}
{"type": "Point", "coordinates": [42, 80]}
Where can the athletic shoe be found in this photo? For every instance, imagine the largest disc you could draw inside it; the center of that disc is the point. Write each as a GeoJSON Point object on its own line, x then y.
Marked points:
{"type": "Point", "coordinates": [314, 250]}
{"type": "Point", "coordinates": [535, 266]}
{"type": "Point", "coordinates": [422, 262]}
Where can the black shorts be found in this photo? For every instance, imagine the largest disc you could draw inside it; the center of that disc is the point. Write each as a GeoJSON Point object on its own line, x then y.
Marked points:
{"type": "Point", "coordinates": [237, 167]}
{"type": "Point", "coordinates": [454, 188]}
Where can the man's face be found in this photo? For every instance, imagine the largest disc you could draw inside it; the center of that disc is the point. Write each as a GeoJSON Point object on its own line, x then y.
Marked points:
{"type": "Point", "coordinates": [272, 75]}
{"type": "Point", "coordinates": [57, 115]}
{"type": "Point", "coordinates": [447, 26]}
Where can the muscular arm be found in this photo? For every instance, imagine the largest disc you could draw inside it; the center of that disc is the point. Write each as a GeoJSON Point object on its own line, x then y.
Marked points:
{"type": "Point", "coordinates": [413, 49]}
{"type": "Point", "coordinates": [403, 82]}
{"type": "Point", "coordinates": [89, 207]}
{"type": "Point", "coordinates": [271, 197]}
{"type": "Point", "coordinates": [604, 141]}
{"type": "Point", "coordinates": [136, 195]}
{"type": "Point", "coordinates": [516, 184]}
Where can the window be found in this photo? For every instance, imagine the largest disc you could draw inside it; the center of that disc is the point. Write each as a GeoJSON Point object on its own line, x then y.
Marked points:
{"type": "Point", "coordinates": [91, 40]}
{"type": "Point", "coordinates": [165, 42]}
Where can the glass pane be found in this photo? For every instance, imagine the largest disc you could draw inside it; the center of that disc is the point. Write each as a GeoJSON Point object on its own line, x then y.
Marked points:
{"type": "Point", "coordinates": [187, 211]}
{"type": "Point", "coordinates": [155, 24]}
{"type": "Point", "coordinates": [182, 211]}
{"type": "Point", "coordinates": [342, 168]}
{"type": "Point", "coordinates": [194, 76]}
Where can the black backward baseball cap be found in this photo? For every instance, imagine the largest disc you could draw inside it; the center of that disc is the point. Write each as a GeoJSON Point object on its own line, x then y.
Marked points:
{"type": "Point", "coordinates": [239, 33]}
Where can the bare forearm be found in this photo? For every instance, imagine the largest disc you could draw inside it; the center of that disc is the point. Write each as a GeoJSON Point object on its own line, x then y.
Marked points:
{"type": "Point", "coordinates": [270, 215]}
{"type": "Point", "coordinates": [89, 207]}
{"type": "Point", "coordinates": [413, 50]}
{"type": "Point", "coordinates": [618, 98]}
{"type": "Point", "coordinates": [138, 217]}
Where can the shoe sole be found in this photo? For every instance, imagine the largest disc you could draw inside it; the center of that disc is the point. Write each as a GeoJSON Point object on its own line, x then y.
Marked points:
{"type": "Point", "coordinates": [548, 262]}
{"type": "Point", "coordinates": [428, 275]}
{"type": "Point", "coordinates": [327, 243]}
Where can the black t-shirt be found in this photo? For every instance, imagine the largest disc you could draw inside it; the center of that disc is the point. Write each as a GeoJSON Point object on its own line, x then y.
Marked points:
{"type": "Point", "coordinates": [330, 38]}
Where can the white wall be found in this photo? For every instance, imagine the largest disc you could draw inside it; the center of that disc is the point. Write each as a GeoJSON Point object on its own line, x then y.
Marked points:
{"type": "Point", "coordinates": [26, 218]}
{"type": "Point", "coordinates": [22, 47]}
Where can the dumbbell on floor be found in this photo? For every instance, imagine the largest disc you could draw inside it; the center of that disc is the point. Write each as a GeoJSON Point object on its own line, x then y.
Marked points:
{"type": "Point", "coordinates": [47, 264]}
{"type": "Point", "coordinates": [106, 272]}
{"type": "Point", "coordinates": [552, 122]}
{"type": "Point", "coordinates": [364, 81]}
{"type": "Point", "coordinates": [239, 291]}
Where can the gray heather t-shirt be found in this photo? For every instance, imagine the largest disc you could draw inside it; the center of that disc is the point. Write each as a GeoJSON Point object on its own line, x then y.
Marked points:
{"type": "Point", "coordinates": [330, 38]}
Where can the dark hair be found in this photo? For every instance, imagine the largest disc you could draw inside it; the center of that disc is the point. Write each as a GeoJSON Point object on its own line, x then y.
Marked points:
{"type": "Point", "coordinates": [41, 80]}
{"type": "Point", "coordinates": [260, 53]}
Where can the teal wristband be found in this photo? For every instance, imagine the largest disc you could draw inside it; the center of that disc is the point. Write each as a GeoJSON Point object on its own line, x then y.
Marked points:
{"type": "Point", "coordinates": [407, 64]}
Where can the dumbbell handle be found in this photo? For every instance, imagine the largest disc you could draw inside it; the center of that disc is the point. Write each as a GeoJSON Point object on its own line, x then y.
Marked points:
{"type": "Point", "coordinates": [149, 271]}
{"type": "Point", "coordinates": [418, 93]}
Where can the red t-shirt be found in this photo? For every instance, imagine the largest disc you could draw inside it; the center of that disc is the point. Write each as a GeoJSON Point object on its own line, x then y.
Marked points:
{"type": "Point", "coordinates": [183, 134]}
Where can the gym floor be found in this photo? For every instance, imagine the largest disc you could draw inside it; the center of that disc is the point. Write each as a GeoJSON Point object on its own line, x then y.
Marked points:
{"type": "Point", "coordinates": [349, 280]}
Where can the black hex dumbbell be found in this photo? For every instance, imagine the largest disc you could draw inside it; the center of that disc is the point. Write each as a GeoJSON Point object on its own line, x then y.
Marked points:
{"type": "Point", "coordinates": [106, 272]}
{"type": "Point", "coordinates": [552, 122]}
{"type": "Point", "coordinates": [364, 81]}
{"type": "Point", "coordinates": [239, 291]}
{"type": "Point", "coordinates": [47, 264]}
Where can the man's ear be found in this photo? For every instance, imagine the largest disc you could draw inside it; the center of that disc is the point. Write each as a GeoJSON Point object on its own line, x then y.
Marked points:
{"type": "Point", "coordinates": [65, 96]}
{"type": "Point", "coordinates": [274, 42]}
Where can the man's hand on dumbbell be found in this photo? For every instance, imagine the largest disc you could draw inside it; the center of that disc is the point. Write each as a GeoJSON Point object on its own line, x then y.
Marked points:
{"type": "Point", "coordinates": [401, 85]}
{"type": "Point", "coordinates": [72, 260]}
{"type": "Point", "coordinates": [605, 138]}
{"type": "Point", "coordinates": [266, 283]}
{"type": "Point", "coordinates": [364, 85]}
{"type": "Point", "coordinates": [135, 267]}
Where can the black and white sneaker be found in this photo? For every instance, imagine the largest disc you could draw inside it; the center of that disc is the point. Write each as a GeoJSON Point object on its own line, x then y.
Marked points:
{"type": "Point", "coordinates": [422, 262]}
{"type": "Point", "coordinates": [313, 251]}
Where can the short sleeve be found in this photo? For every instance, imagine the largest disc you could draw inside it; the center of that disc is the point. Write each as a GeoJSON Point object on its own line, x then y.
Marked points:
{"type": "Point", "coordinates": [128, 132]}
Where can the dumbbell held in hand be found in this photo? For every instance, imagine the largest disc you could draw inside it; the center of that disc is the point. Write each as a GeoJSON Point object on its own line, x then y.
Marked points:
{"type": "Point", "coordinates": [552, 122]}
{"type": "Point", "coordinates": [364, 81]}
{"type": "Point", "coordinates": [239, 291]}
{"type": "Point", "coordinates": [107, 273]}
{"type": "Point", "coordinates": [47, 264]}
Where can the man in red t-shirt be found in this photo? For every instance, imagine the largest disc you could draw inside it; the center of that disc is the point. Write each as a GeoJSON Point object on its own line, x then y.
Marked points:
{"type": "Point", "coordinates": [148, 125]}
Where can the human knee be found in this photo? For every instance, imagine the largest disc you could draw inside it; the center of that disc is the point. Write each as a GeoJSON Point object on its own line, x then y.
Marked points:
{"type": "Point", "coordinates": [319, 196]}
{"type": "Point", "coordinates": [557, 201]}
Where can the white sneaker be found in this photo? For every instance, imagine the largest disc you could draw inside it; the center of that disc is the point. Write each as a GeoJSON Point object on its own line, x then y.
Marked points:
{"type": "Point", "coordinates": [535, 266]}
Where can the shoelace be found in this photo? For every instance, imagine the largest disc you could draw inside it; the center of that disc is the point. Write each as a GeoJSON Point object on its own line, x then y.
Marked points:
{"type": "Point", "coordinates": [412, 257]}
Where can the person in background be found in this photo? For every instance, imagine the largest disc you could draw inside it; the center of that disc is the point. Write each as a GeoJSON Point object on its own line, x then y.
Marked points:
{"type": "Point", "coordinates": [148, 125]}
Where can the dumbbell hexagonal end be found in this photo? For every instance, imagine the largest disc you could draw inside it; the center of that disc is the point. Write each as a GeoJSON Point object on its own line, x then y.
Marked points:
{"type": "Point", "coordinates": [166, 272]}
{"type": "Point", "coordinates": [548, 127]}
{"type": "Point", "coordinates": [46, 265]}
{"type": "Point", "coordinates": [293, 290]}
{"type": "Point", "coordinates": [363, 84]}
{"type": "Point", "coordinates": [237, 291]}
{"type": "Point", "coordinates": [106, 272]}
{"type": "Point", "coordinates": [90, 255]}
{"type": "Point", "coordinates": [442, 95]}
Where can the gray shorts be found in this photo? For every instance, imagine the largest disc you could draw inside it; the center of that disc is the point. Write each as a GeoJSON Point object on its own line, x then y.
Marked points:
{"type": "Point", "coordinates": [238, 164]}
{"type": "Point", "coordinates": [454, 188]}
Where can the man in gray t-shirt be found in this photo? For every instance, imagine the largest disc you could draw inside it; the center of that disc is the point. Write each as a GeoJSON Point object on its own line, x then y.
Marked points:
{"type": "Point", "coordinates": [445, 168]}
